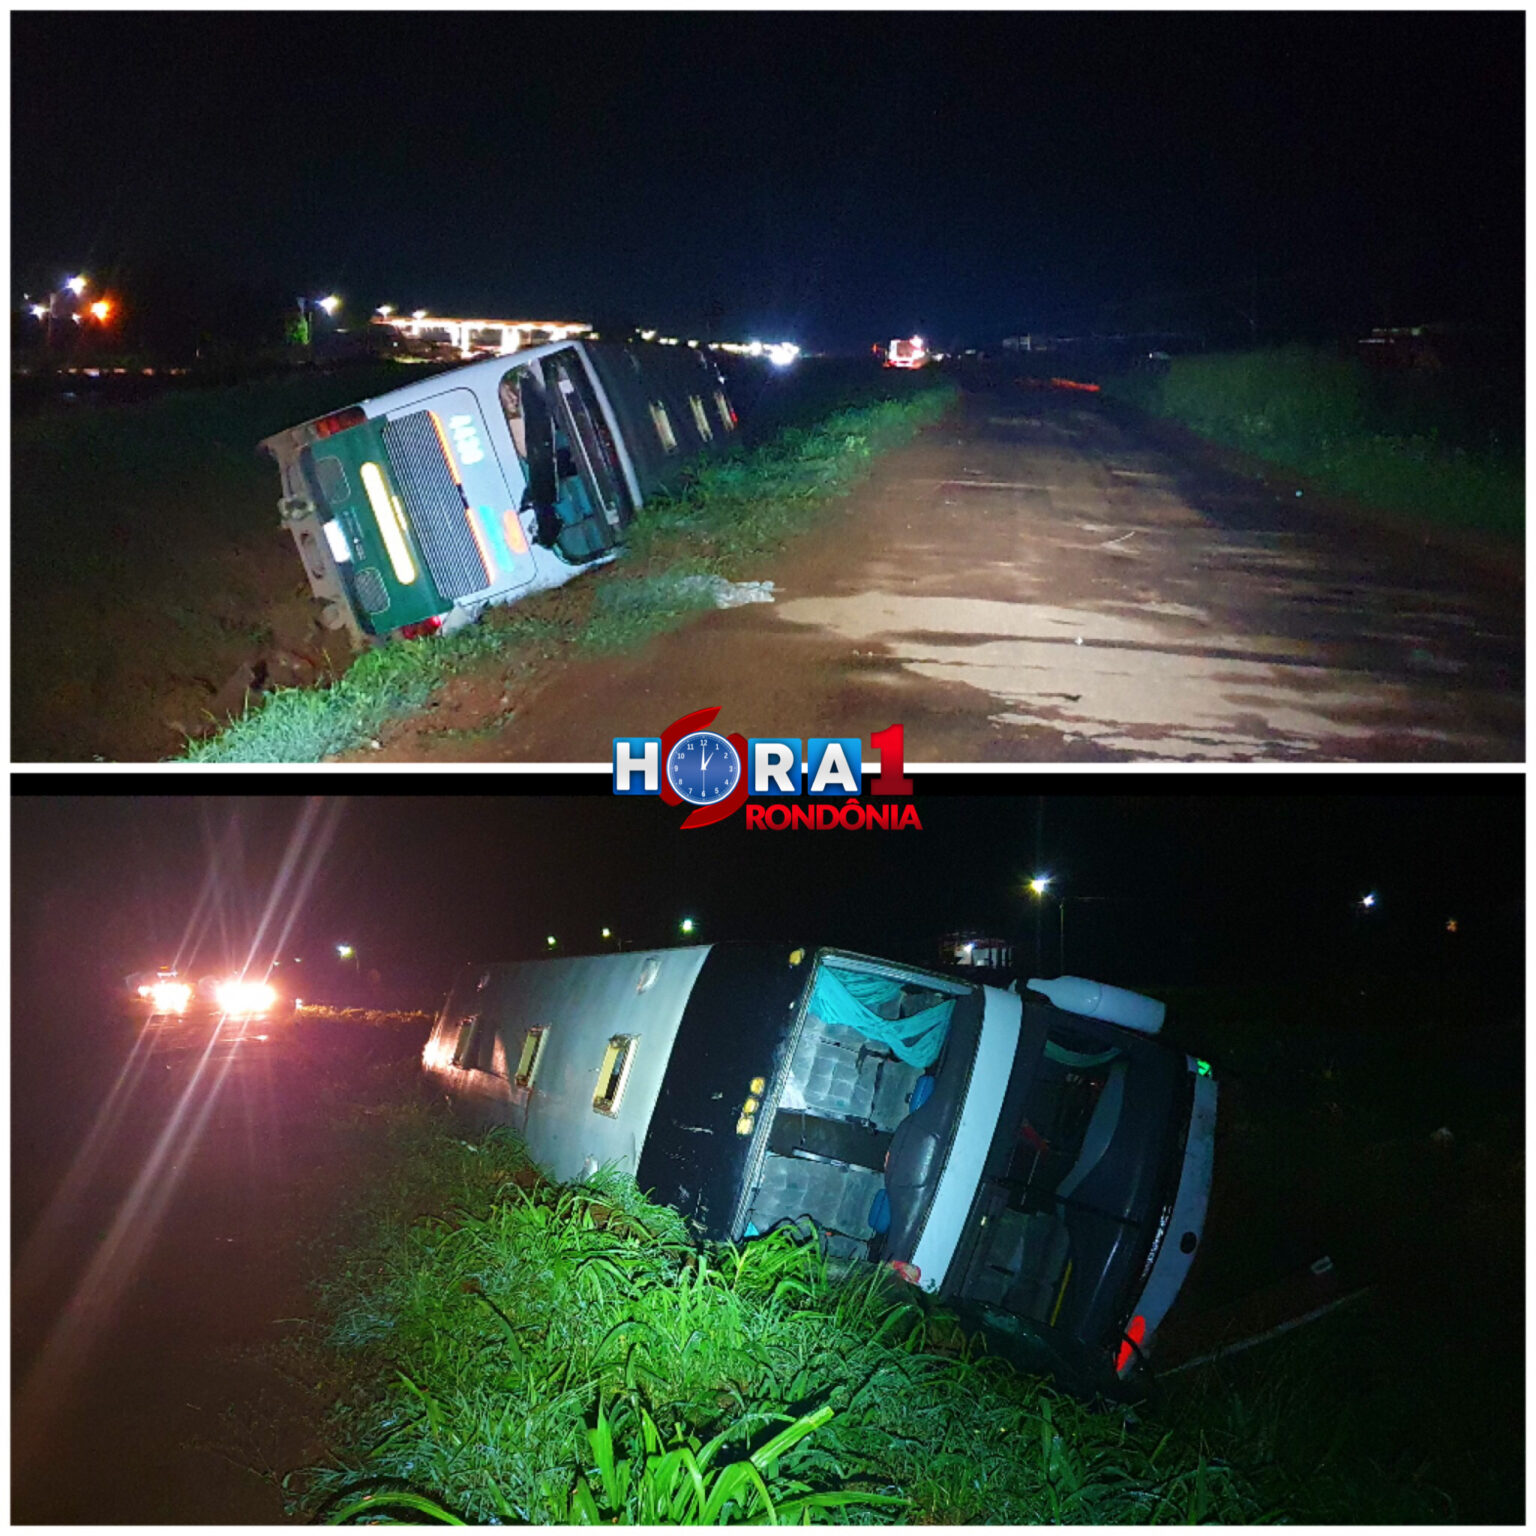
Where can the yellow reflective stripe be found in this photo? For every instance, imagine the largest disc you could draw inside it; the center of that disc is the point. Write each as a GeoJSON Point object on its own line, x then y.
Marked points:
{"type": "Point", "coordinates": [391, 520]}
{"type": "Point", "coordinates": [482, 544]}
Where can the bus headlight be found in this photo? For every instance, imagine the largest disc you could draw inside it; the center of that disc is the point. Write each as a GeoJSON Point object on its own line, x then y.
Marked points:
{"type": "Point", "coordinates": [244, 998]}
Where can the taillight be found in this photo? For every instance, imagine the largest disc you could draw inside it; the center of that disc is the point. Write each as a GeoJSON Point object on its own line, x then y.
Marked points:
{"type": "Point", "coordinates": [1130, 1343]}
{"type": "Point", "coordinates": [418, 630]}
{"type": "Point", "coordinates": [339, 421]}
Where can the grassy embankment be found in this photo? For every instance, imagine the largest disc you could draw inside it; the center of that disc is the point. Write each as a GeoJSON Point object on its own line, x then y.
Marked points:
{"type": "Point", "coordinates": [515, 1351]}
{"type": "Point", "coordinates": [730, 515]}
{"type": "Point", "coordinates": [548, 1355]}
{"type": "Point", "coordinates": [147, 561]}
{"type": "Point", "coordinates": [1425, 447]}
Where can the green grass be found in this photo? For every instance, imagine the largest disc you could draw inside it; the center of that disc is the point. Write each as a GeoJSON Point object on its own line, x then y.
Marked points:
{"type": "Point", "coordinates": [1403, 445]}
{"type": "Point", "coordinates": [518, 1351]}
{"type": "Point", "coordinates": [732, 513]}
{"type": "Point", "coordinates": [557, 1354]}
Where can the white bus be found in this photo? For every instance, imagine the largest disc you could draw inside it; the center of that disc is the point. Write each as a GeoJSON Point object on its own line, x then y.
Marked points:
{"type": "Point", "coordinates": [416, 510]}
{"type": "Point", "coordinates": [1043, 1171]}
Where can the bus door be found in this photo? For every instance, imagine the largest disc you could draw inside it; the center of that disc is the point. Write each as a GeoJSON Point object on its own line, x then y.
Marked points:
{"type": "Point", "coordinates": [586, 439]}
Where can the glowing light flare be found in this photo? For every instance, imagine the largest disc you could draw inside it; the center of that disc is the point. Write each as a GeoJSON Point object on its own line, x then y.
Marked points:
{"type": "Point", "coordinates": [391, 520]}
{"type": "Point", "coordinates": [76, 285]}
{"type": "Point", "coordinates": [168, 996]}
{"type": "Point", "coordinates": [442, 442]}
{"type": "Point", "coordinates": [102, 309]}
{"type": "Point", "coordinates": [686, 926]}
{"type": "Point", "coordinates": [244, 999]}
{"type": "Point", "coordinates": [1040, 884]}
{"type": "Point", "coordinates": [40, 311]}
{"type": "Point", "coordinates": [341, 551]}
{"type": "Point", "coordinates": [330, 303]}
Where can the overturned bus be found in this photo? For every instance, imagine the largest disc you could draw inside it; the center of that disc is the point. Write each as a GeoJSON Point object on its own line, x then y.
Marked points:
{"type": "Point", "coordinates": [416, 510]}
{"type": "Point", "coordinates": [1043, 1170]}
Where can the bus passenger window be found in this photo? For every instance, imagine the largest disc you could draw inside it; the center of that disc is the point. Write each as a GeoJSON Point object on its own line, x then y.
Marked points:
{"type": "Point", "coordinates": [512, 409]}
{"type": "Point", "coordinates": [614, 1074]}
{"type": "Point", "coordinates": [663, 425]}
{"type": "Point", "coordinates": [528, 1062]}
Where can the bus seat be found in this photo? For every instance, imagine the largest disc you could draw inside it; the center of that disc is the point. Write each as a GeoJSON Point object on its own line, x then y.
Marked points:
{"type": "Point", "coordinates": [1102, 1125]}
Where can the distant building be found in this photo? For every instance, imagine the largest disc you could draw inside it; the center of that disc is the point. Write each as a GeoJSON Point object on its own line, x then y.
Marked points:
{"type": "Point", "coordinates": [480, 338]}
{"type": "Point", "coordinates": [976, 950]}
{"type": "Point", "coordinates": [1420, 348]}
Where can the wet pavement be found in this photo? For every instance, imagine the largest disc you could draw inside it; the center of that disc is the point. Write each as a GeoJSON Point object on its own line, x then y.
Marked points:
{"type": "Point", "coordinates": [1036, 579]}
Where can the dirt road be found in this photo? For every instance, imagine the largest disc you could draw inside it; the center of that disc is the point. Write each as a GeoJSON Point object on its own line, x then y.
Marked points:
{"type": "Point", "coordinates": [1036, 580]}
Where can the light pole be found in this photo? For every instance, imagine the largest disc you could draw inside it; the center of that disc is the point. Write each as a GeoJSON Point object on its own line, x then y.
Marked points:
{"type": "Point", "coordinates": [1039, 888]}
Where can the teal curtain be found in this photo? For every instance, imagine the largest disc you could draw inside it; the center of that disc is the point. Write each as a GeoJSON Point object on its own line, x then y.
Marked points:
{"type": "Point", "coordinates": [850, 998]}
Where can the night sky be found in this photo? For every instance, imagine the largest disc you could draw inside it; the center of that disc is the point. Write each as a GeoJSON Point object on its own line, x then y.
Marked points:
{"type": "Point", "coordinates": [1188, 888]}
{"type": "Point", "coordinates": [831, 178]}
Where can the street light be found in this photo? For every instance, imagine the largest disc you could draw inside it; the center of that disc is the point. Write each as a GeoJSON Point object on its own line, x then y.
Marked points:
{"type": "Point", "coordinates": [686, 926]}
{"type": "Point", "coordinates": [607, 933]}
{"type": "Point", "coordinates": [330, 303]}
{"type": "Point", "coordinates": [1368, 900]}
{"type": "Point", "coordinates": [549, 943]}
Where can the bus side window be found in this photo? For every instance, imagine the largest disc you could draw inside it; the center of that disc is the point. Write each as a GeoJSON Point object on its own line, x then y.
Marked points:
{"type": "Point", "coordinates": [464, 1050]}
{"type": "Point", "coordinates": [614, 1074]}
{"type": "Point", "coordinates": [512, 409]}
{"type": "Point", "coordinates": [663, 425]}
{"type": "Point", "coordinates": [528, 1062]}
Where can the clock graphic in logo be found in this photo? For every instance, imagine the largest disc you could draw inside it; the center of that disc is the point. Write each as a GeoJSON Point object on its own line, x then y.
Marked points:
{"type": "Point", "coordinates": [703, 768]}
